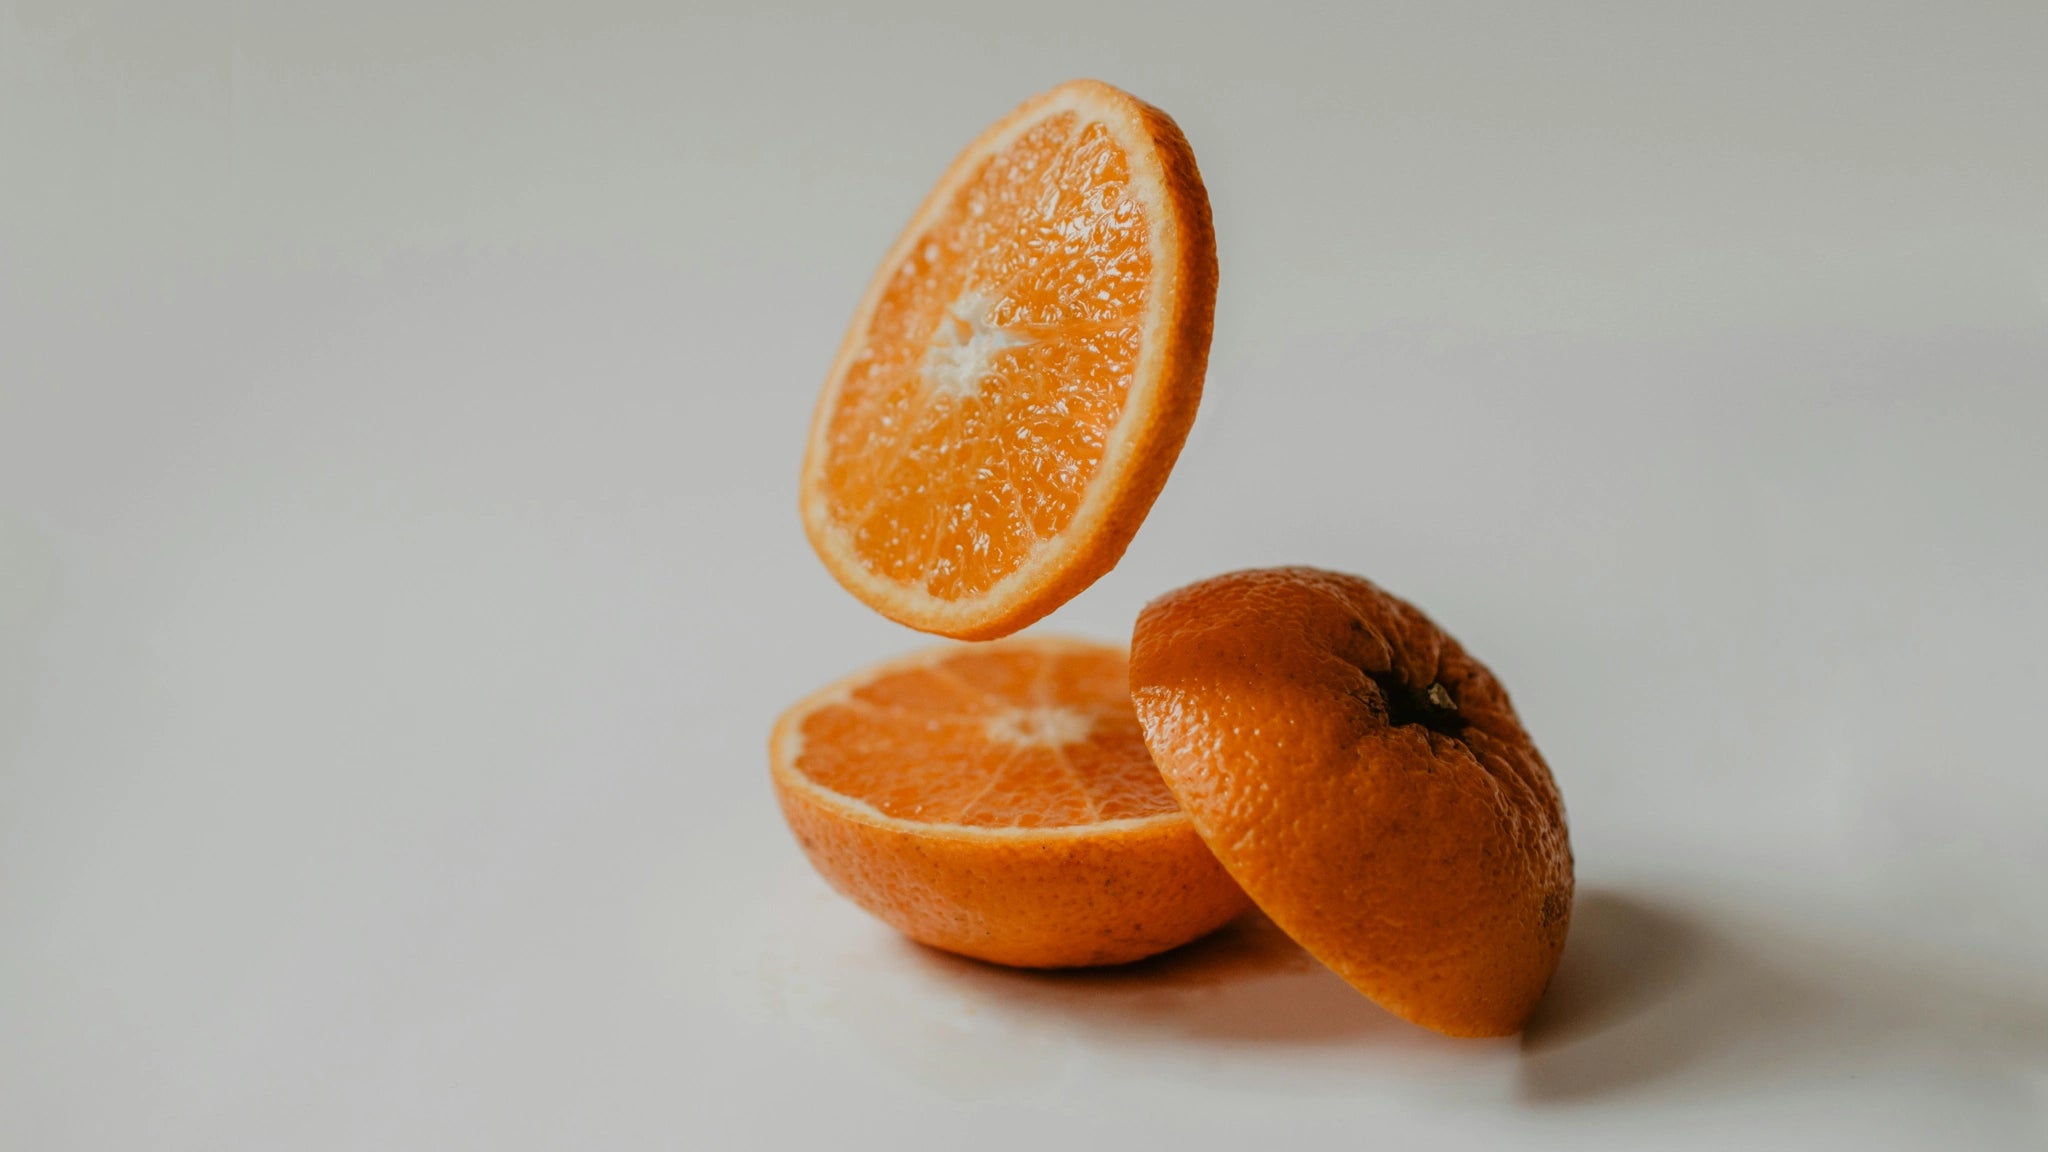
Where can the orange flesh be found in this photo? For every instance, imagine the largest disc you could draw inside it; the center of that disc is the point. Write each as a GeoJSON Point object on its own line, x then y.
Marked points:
{"type": "Point", "coordinates": [1016, 738]}
{"type": "Point", "coordinates": [995, 366]}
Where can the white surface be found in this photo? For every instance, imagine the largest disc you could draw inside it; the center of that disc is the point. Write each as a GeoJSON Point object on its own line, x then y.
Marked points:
{"type": "Point", "coordinates": [399, 566]}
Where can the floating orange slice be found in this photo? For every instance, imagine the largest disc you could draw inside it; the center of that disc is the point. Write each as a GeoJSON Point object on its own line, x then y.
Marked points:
{"type": "Point", "coordinates": [997, 801]}
{"type": "Point", "coordinates": [1022, 372]}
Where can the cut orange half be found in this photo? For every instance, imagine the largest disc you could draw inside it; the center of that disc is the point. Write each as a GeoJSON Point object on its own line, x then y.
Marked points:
{"type": "Point", "coordinates": [997, 801]}
{"type": "Point", "coordinates": [1368, 783]}
{"type": "Point", "coordinates": [1022, 372]}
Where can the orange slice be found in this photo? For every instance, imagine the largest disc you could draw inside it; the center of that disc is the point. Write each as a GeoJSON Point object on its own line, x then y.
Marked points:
{"type": "Point", "coordinates": [1368, 783]}
{"type": "Point", "coordinates": [1022, 372]}
{"type": "Point", "coordinates": [997, 801]}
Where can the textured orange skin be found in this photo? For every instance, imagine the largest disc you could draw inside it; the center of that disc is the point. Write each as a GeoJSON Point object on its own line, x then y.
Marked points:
{"type": "Point", "coordinates": [1433, 872]}
{"type": "Point", "coordinates": [1161, 407]}
{"type": "Point", "coordinates": [1051, 899]}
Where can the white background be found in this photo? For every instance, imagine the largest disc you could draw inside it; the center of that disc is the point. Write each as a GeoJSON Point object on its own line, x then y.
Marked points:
{"type": "Point", "coordinates": [400, 409]}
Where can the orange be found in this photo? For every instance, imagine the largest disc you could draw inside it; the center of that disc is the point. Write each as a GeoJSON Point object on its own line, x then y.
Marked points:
{"type": "Point", "coordinates": [997, 801]}
{"type": "Point", "coordinates": [1022, 371]}
{"type": "Point", "coordinates": [1367, 783]}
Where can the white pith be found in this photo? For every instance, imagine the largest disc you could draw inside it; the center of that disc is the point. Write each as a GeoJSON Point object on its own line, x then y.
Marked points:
{"type": "Point", "coordinates": [961, 352]}
{"type": "Point", "coordinates": [1047, 726]}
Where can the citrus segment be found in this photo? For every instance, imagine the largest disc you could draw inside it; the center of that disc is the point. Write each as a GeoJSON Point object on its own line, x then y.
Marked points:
{"type": "Point", "coordinates": [1023, 371]}
{"type": "Point", "coordinates": [998, 801]}
{"type": "Point", "coordinates": [1369, 785]}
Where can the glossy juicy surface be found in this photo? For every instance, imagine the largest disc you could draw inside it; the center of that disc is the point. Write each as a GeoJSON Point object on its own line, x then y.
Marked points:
{"type": "Point", "coordinates": [1019, 378]}
{"type": "Point", "coordinates": [1036, 735]}
{"type": "Point", "coordinates": [997, 800]}
{"type": "Point", "coordinates": [996, 365]}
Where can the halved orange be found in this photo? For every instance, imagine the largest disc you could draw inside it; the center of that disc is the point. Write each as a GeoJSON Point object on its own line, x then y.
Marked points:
{"type": "Point", "coordinates": [1022, 372]}
{"type": "Point", "coordinates": [997, 801]}
{"type": "Point", "coordinates": [1368, 783]}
